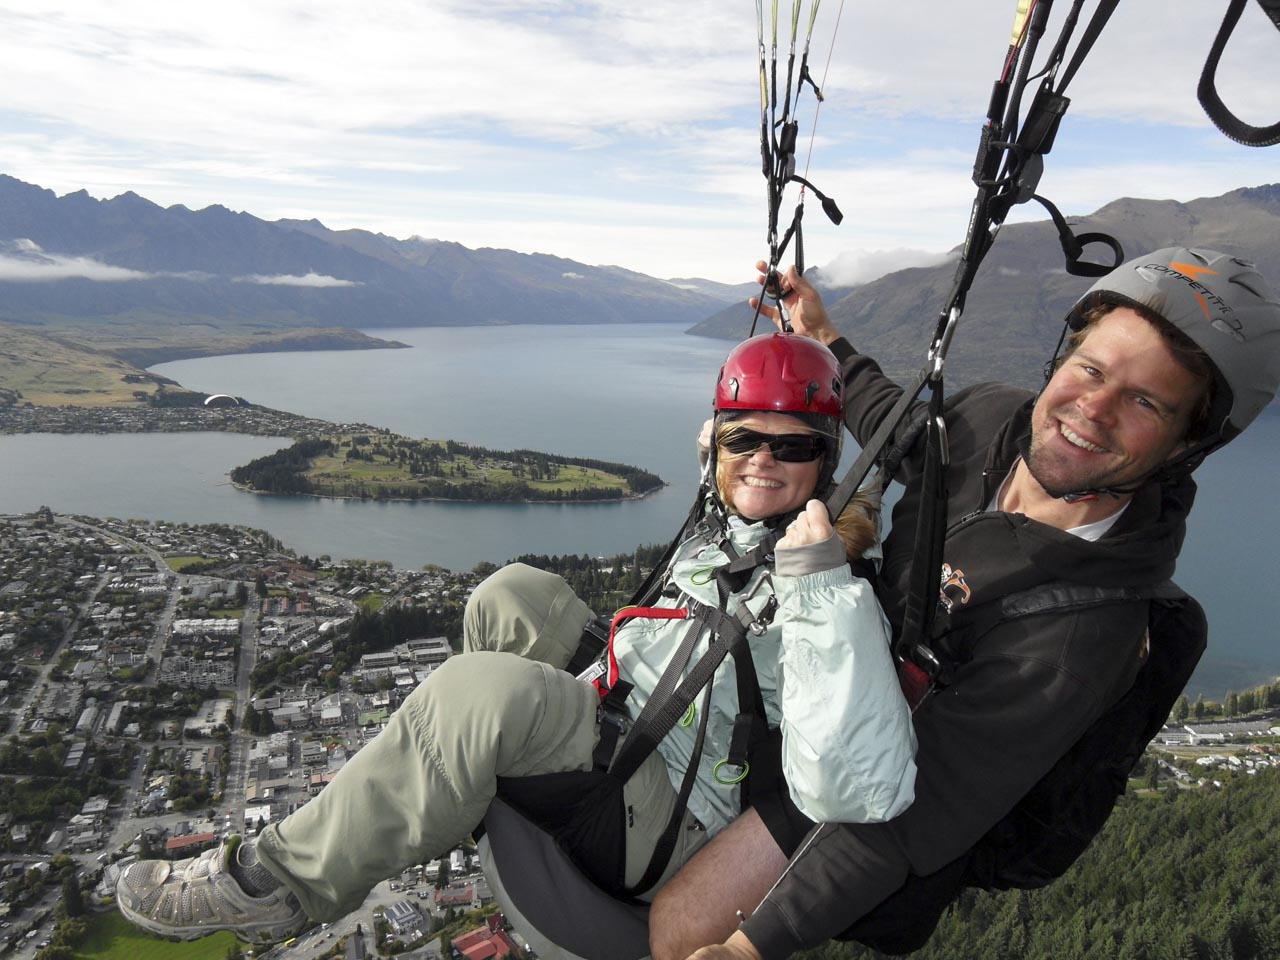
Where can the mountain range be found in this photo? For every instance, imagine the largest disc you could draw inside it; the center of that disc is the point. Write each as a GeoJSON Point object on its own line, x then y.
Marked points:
{"type": "Point", "coordinates": [206, 280]}
{"type": "Point", "coordinates": [76, 258]}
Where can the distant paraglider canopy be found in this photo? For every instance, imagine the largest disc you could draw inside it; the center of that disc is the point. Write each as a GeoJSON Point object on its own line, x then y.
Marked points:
{"type": "Point", "coordinates": [221, 400]}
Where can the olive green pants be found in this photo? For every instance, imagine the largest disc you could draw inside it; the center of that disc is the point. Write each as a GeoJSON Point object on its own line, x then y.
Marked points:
{"type": "Point", "coordinates": [501, 709]}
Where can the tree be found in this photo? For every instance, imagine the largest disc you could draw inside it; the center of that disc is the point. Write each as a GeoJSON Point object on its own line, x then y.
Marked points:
{"type": "Point", "coordinates": [1249, 701]}
{"type": "Point", "coordinates": [1232, 705]}
{"type": "Point", "coordinates": [72, 900]}
{"type": "Point", "coordinates": [1199, 708]}
{"type": "Point", "coordinates": [1181, 709]}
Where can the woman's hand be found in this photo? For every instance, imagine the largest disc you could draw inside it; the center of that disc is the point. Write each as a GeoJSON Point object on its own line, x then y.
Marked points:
{"type": "Point", "coordinates": [804, 305]}
{"type": "Point", "coordinates": [812, 526]}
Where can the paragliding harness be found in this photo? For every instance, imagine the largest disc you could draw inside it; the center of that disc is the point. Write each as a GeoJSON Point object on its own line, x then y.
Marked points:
{"type": "Point", "coordinates": [584, 810]}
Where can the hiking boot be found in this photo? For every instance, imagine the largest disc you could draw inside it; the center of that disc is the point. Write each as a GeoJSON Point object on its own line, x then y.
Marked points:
{"type": "Point", "coordinates": [192, 898]}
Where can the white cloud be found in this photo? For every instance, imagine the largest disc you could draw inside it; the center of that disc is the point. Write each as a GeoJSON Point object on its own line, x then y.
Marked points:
{"type": "Point", "coordinates": [292, 280]}
{"type": "Point", "coordinates": [571, 276]}
{"type": "Point", "coordinates": [863, 266]}
{"type": "Point", "coordinates": [25, 262]}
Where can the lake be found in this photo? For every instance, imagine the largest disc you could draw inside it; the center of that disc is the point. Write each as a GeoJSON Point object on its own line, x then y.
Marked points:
{"type": "Point", "coordinates": [630, 393]}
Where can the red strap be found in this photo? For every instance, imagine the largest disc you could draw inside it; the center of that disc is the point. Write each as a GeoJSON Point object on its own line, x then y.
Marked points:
{"type": "Point", "coordinates": [915, 684]}
{"type": "Point", "coordinates": [629, 613]}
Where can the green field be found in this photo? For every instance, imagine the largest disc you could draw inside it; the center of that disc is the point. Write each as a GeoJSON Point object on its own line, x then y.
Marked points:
{"type": "Point", "coordinates": [51, 371]}
{"type": "Point", "coordinates": [382, 465]}
{"type": "Point", "coordinates": [178, 564]}
{"type": "Point", "coordinates": [111, 937]}
{"type": "Point", "coordinates": [337, 475]}
{"type": "Point", "coordinates": [372, 602]}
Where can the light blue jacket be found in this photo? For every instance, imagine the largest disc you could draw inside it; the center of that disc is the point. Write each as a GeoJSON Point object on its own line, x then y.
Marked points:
{"type": "Point", "coordinates": [825, 673]}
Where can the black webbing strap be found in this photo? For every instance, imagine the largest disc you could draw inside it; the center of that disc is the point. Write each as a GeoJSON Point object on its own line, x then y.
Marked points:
{"type": "Point", "coordinates": [663, 710]}
{"type": "Point", "coordinates": [594, 638]}
{"type": "Point", "coordinates": [1024, 160]}
{"type": "Point", "coordinates": [750, 730]}
{"type": "Point", "coordinates": [1073, 244]}
{"type": "Point", "coordinates": [1091, 33]}
{"type": "Point", "coordinates": [1054, 597]}
{"type": "Point", "coordinates": [669, 702]}
{"type": "Point", "coordinates": [750, 726]}
{"type": "Point", "coordinates": [1207, 91]}
{"type": "Point", "coordinates": [650, 727]}
{"type": "Point", "coordinates": [666, 844]}
{"type": "Point", "coordinates": [931, 525]}
{"type": "Point", "coordinates": [875, 446]}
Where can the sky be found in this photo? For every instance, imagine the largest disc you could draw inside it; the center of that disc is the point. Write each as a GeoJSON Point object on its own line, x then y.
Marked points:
{"type": "Point", "coordinates": [605, 132]}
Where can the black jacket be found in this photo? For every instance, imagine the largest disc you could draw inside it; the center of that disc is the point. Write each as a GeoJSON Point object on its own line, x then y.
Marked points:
{"type": "Point", "coordinates": [1032, 687]}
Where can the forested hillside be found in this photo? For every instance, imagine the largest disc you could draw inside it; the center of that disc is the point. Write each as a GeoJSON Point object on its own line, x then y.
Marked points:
{"type": "Point", "coordinates": [1183, 875]}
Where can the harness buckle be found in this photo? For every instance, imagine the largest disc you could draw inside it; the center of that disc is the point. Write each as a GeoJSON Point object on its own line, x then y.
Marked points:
{"type": "Point", "coordinates": [613, 728]}
{"type": "Point", "coordinates": [761, 623]}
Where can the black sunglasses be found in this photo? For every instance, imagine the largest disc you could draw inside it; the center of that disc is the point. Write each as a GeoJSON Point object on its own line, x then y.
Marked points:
{"type": "Point", "coordinates": [785, 447]}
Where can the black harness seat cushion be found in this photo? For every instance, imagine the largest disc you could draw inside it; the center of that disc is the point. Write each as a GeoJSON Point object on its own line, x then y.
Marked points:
{"type": "Point", "coordinates": [549, 891]}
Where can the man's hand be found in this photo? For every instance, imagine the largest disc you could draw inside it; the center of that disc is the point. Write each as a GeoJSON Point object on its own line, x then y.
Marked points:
{"type": "Point", "coordinates": [812, 526]}
{"type": "Point", "coordinates": [704, 442]}
{"type": "Point", "coordinates": [804, 304]}
{"type": "Point", "coordinates": [737, 947]}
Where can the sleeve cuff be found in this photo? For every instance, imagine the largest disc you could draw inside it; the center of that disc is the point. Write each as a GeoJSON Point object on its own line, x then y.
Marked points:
{"type": "Point", "coordinates": [811, 558]}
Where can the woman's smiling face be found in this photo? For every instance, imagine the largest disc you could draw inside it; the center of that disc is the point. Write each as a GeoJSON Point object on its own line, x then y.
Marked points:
{"type": "Point", "coordinates": [755, 484]}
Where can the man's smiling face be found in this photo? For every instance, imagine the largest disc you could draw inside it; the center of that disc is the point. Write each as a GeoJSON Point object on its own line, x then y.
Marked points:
{"type": "Point", "coordinates": [1116, 409]}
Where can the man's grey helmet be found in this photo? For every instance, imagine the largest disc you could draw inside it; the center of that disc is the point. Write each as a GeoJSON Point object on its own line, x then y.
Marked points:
{"type": "Point", "coordinates": [1227, 309]}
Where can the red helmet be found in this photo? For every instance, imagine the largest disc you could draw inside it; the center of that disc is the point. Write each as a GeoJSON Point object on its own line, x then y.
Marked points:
{"type": "Point", "coordinates": [781, 372]}
{"type": "Point", "coordinates": [785, 373]}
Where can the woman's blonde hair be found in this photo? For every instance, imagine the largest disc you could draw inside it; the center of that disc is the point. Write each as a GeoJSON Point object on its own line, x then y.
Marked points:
{"type": "Point", "coordinates": [858, 525]}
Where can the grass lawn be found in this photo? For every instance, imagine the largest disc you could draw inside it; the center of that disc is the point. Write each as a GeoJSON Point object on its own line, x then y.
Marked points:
{"type": "Point", "coordinates": [372, 602]}
{"type": "Point", "coordinates": [335, 475]}
{"type": "Point", "coordinates": [234, 613]}
{"type": "Point", "coordinates": [54, 371]}
{"type": "Point", "coordinates": [178, 564]}
{"type": "Point", "coordinates": [111, 937]}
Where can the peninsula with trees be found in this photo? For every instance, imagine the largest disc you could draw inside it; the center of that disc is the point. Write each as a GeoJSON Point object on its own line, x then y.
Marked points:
{"type": "Point", "coordinates": [386, 466]}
